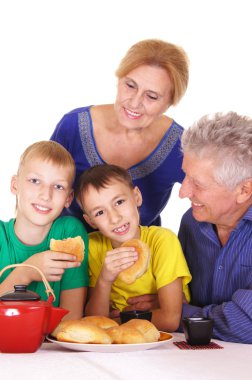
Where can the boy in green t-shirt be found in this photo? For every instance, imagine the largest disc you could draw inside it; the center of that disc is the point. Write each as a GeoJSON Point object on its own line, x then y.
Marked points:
{"type": "Point", "coordinates": [43, 187]}
{"type": "Point", "coordinates": [110, 203]}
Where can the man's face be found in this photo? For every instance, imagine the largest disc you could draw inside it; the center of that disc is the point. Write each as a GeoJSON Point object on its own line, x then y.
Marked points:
{"type": "Point", "coordinates": [210, 201]}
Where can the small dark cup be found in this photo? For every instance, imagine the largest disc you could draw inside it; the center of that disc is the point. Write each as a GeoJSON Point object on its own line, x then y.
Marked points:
{"type": "Point", "coordinates": [198, 331]}
{"type": "Point", "coordinates": [125, 316]}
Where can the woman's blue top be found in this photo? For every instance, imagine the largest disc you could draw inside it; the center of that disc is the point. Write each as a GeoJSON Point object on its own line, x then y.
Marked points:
{"type": "Point", "coordinates": [155, 175]}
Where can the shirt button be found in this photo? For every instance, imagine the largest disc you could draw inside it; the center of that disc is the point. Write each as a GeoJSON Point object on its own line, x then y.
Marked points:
{"type": "Point", "coordinates": [220, 267]}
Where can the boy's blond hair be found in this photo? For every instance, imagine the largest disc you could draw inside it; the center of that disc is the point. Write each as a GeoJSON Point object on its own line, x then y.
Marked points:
{"type": "Point", "coordinates": [50, 151]}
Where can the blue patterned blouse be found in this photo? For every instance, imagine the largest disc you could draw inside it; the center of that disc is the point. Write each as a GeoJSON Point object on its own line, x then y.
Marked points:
{"type": "Point", "coordinates": [155, 176]}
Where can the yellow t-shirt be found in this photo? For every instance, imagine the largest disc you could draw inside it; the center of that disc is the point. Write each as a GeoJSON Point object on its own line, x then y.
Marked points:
{"type": "Point", "coordinates": [167, 263]}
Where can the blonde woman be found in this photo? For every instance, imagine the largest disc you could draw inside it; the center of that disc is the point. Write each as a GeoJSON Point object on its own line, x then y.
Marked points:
{"type": "Point", "coordinates": [134, 132]}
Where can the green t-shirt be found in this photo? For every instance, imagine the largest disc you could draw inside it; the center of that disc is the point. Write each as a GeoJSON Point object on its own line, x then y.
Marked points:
{"type": "Point", "coordinates": [12, 251]}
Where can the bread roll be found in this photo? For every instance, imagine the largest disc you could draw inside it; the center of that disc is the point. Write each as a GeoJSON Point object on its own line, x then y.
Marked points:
{"type": "Point", "coordinates": [100, 321]}
{"type": "Point", "coordinates": [82, 332]}
{"type": "Point", "coordinates": [149, 331]}
{"type": "Point", "coordinates": [130, 274]}
{"type": "Point", "coordinates": [85, 331]}
{"type": "Point", "coordinates": [125, 335]}
{"type": "Point", "coordinates": [61, 326]}
{"type": "Point", "coordinates": [74, 246]}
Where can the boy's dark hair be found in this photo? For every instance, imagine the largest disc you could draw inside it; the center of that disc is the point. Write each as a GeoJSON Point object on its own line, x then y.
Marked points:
{"type": "Point", "coordinates": [99, 176]}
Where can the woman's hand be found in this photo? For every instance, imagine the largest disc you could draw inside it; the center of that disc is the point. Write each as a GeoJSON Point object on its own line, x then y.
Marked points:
{"type": "Point", "coordinates": [52, 264]}
{"type": "Point", "coordinates": [116, 261]}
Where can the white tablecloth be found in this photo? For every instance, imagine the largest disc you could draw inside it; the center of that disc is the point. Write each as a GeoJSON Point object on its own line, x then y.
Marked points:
{"type": "Point", "coordinates": [233, 362]}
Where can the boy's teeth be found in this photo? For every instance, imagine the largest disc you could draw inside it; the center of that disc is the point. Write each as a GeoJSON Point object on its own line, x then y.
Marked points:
{"type": "Point", "coordinates": [120, 229]}
{"type": "Point", "coordinates": [42, 208]}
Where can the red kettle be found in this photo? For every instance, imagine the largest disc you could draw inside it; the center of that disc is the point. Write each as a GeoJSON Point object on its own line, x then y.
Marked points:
{"type": "Point", "coordinates": [25, 320]}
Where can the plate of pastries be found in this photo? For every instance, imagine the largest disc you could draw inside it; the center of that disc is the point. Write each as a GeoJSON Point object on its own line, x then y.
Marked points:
{"type": "Point", "coordinates": [102, 334]}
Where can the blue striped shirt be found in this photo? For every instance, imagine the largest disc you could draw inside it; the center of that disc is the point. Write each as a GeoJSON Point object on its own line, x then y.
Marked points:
{"type": "Point", "coordinates": [221, 286]}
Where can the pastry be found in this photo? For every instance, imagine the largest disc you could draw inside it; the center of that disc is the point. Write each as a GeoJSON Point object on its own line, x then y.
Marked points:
{"type": "Point", "coordinates": [74, 246]}
{"type": "Point", "coordinates": [149, 331]}
{"type": "Point", "coordinates": [82, 332]}
{"type": "Point", "coordinates": [130, 274]}
{"type": "Point", "coordinates": [100, 321]}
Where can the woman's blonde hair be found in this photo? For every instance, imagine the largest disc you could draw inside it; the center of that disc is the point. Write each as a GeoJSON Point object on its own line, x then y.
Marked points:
{"type": "Point", "coordinates": [162, 54]}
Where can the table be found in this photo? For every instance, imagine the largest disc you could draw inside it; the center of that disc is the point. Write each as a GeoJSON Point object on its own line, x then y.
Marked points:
{"type": "Point", "coordinates": [234, 362]}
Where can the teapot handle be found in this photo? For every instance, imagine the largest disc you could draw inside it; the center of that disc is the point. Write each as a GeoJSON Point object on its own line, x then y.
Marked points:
{"type": "Point", "coordinates": [47, 286]}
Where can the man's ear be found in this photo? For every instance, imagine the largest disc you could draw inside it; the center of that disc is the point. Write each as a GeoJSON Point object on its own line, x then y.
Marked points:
{"type": "Point", "coordinates": [245, 191]}
{"type": "Point", "coordinates": [13, 184]}
{"type": "Point", "coordinates": [69, 199]}
{"type": "Point", "coordinates": [89, 221]}
{"type": "Point", "coordinates": [138, 196]}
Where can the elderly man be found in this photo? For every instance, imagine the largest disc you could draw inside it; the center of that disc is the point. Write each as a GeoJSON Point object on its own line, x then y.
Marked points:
{"type": "Point", "coordinates": [216, 232]}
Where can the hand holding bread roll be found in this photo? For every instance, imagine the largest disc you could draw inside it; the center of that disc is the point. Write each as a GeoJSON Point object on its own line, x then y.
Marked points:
{"type": "Point", "coordinates": [130, 274]}
{"type": "Point", "coordinates": [74, 246]}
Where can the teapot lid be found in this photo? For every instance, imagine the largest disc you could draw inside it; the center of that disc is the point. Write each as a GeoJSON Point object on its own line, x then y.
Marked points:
{"type": "Point", "coordinates": [20, 294]}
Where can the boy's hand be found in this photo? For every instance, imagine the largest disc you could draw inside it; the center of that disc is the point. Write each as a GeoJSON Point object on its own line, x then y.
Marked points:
{"type": "Point", "coordinates": [116, 261]}
{"type": "Point", "coordinates": [52, 264]}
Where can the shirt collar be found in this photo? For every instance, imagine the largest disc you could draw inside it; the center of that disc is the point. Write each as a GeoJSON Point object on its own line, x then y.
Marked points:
{"type": "Point", "coordinates": [208, 228]}
{"type": "Point", "coordinates": [248, 214]}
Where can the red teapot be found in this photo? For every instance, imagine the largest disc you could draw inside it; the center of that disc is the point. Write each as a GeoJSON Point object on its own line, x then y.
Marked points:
{"type": "Point", "coordinates": [25, 320]}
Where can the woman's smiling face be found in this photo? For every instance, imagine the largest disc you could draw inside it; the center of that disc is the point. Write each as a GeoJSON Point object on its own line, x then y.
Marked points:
{"type": "Point", "coordinates": [143, 96]}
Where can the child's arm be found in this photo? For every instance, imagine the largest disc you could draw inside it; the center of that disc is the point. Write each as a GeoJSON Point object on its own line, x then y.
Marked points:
{"type": "Point", "coordinates": [115, 261]}
{"type": "Point", "coordinates": [167, 316]}
{"type": "Point", "coordinates": [52, 264]}
{"type": "Point", "coordinates": [74, 300]}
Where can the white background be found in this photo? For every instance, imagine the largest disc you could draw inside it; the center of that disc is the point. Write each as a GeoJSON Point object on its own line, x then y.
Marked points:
{"type": "Point", "coordinates": [57, 55]}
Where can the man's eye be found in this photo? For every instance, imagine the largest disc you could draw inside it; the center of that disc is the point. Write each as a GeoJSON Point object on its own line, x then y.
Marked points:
{"type": "Point", "coordinates": [197, 186]}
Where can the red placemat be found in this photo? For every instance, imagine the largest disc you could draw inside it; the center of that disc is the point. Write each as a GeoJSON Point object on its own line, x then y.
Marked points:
{"type": "Point", "coordinates": [185, 346]}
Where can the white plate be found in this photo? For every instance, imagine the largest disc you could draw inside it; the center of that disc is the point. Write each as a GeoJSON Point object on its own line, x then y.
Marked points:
{"type": "Point", "coordinates": [165, 339]}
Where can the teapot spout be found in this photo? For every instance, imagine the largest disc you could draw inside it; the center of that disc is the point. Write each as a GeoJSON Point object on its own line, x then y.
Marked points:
{"type": "Point", "coordinates": [57, 313]}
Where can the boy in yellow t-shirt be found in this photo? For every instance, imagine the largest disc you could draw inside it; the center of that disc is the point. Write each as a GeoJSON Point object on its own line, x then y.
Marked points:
{"type": "Point", "coordinates": [110, 203]}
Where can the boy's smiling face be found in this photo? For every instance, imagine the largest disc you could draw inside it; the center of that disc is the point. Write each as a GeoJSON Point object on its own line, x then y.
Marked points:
{"type": "Point", "coordinates": [42, 189]}
{"type": "Point", "coordinates": [113, 210]}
